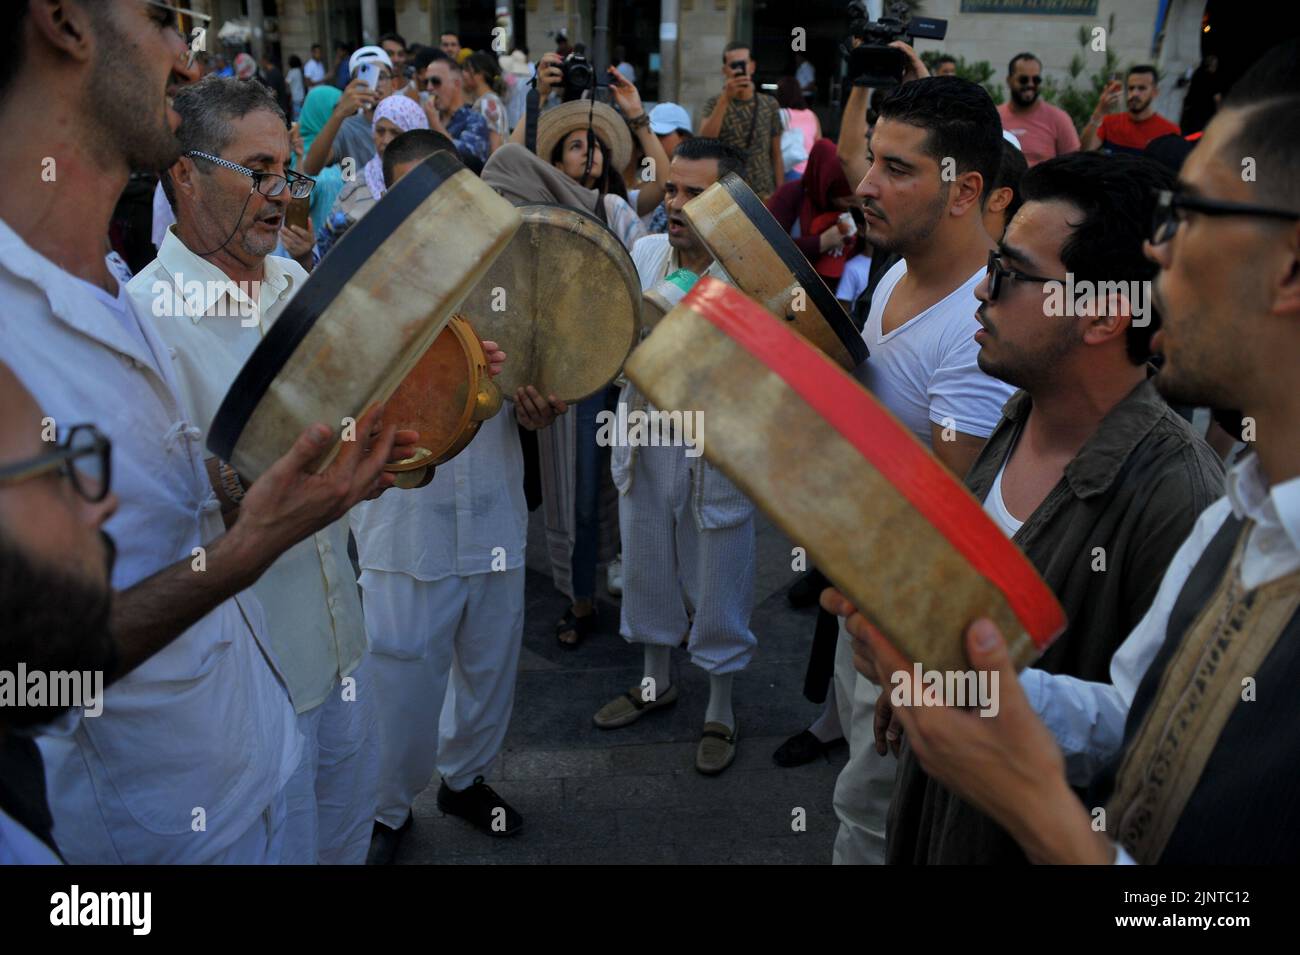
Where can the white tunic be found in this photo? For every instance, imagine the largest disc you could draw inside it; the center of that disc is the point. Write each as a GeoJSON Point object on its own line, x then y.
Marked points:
{"type": "Point", "coordinates": [313, 612]}
{"type": "Point", "coordinates": [205, 724]}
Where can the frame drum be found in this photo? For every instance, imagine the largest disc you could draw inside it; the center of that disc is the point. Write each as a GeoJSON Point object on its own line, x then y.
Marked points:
{"type": "Point", "coordinates": [358, 326]}
{"type": "Point", "coordinates": [563, 302]}
{"type": "Point", "coordinates": [766, 265]}
{"type": "Point", "coordinates": [446, 397]}
{"type": "Point", "coordinates": [876, 511]}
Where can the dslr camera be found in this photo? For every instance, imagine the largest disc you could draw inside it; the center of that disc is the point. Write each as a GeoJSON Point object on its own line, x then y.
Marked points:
{"type": "Point", "coordinates": [579, 76]}
{"type": "Point", "coordinates": [872, 62]}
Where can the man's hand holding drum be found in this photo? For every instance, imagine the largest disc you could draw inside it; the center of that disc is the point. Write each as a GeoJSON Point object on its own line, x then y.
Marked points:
{"type": "Point", "coordinates": [1006, 765]}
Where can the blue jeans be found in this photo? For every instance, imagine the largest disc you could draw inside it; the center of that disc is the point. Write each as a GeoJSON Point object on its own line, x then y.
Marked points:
{"type": "Point", "coordinates": [586, 506]}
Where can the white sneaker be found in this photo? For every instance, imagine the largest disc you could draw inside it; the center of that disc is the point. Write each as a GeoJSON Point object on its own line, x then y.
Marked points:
{"type": "Point", "coordinates": [614, 576]}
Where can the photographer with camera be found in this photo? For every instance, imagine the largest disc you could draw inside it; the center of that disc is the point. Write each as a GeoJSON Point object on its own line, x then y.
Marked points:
{"type": "Point", "coordinates": [748, 120]}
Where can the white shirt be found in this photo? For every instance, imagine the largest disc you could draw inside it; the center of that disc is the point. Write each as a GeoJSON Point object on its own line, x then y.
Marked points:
{"type": "Point", "coordinates": [163, 216]}
{"type": "Point", "coordinates": [857, 273]}
{"type": "Point", "coordinates": [314, 70]}
{"type": "Point", "coordinates": [18, 846]}
{"type": "Point", "coordinates": [925, 370]}
{"type": "Point", "coordinates": [205, 723]}
{"type": "Point", "coordinates": [996, 508]}
{"type": "Point", "coordinates": [454, 525]}
{"type": "Point", "coordinates": [310, 596]}
{"type": "Point", "coordinates": [1087, 718]}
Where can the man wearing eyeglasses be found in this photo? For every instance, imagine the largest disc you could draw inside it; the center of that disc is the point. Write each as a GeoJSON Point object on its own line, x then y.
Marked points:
{"type": "Point", "coordinates": [55, 562]}
{"type": "Point", "coordinates": [190, 758]}
{"type": "Point", "coordinates": [1190, 752]}
{"type": "Point", "coordinates": [212, 293]}
{"type": "Point", "coordinates": [1044, 130]}
{"type": "Point", "coordinates": [1089, 471]}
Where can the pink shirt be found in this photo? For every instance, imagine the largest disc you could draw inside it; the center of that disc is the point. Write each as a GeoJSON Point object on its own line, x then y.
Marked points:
{"type": "Point", "coordinates": [1044, 131]}
{"type": "Point", "coordinates": [804, 120]}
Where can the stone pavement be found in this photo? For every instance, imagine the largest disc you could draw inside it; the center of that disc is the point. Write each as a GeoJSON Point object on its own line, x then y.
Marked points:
{"type": "Point", "coordinates": [633, 795]}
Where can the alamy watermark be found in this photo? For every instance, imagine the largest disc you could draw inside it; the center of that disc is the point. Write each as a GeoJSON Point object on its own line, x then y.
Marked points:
{"type": "Point", "coordinates": [213, 298]}
{"type": "Point", "coordinates": [962, 688]}
{"type": "Point", "coordinates": [651, 429]}
{"type": "Point", "coordinates": [1072, 299]}
{"type": "Point", "coordinates": [54, 688]}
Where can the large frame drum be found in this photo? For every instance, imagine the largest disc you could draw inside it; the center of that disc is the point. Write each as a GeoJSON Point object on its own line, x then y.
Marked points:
{"type": "Point", "coordinates": [359, 324]}
{"type": "Point", "coordinates": [563, 302]}
{"type": "Point", "coordinates": [876, 511]}
{"type": "Point", "coordinates": [763, 261]}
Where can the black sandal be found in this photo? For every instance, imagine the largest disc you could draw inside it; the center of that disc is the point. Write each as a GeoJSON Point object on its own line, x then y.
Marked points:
{"type": "Point", "coordinates": [583, 627]}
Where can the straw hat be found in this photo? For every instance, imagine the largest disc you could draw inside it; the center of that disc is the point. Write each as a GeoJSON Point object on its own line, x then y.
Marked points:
{"type": "Point", "coordinates": [559, 121]}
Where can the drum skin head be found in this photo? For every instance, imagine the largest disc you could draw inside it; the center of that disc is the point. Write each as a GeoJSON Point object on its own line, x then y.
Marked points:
{"type": "Point", "coordinates": [766, 265]}
{"type": "Point", "coordinates": [563, 302]}
{"type": "Point", "coordinates": [360, 323]}
{"type": "Point", "coordinates": [878, 514]}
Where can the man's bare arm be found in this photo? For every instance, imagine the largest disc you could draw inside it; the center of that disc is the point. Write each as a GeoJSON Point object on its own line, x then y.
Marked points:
{"type": "Point", "coordinates": [955, 450]}
{"type": "Point", "coordinates": [852, 144]}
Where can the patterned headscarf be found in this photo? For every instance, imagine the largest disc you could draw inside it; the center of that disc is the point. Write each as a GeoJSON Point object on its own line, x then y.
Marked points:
{"type": "Point", "coordinates": [404, 113]}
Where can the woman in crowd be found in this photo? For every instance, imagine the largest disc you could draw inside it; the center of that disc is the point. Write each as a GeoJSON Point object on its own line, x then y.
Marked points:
{"type": "Point", "coordinates": [393, 116]}
{"type": "Point", "coordinates": [317, 107]}
{"type": "Point", "coordinates": [810, 209]}
{"type": "Point", "coordinates": [297, 89]}
{"type": "Point", "coordinates": [796, 115]}
{"type": "Point", "coordinates": [484, 88]}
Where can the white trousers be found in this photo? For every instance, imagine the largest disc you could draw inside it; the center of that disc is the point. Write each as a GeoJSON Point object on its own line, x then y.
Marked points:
{"type": "Point", "coordinates": [682, 554]}
{"type": "Point", "coordinates": [331, 797]}
{"type": "Point", "coordinates": [866, 783]}
{"type": "Point", "coordinates": [443, 659]}
{"type": "Point", "coordinates": [265, 841]}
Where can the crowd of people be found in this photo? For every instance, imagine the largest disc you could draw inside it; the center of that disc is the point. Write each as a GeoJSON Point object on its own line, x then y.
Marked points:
{"type": "Point", "coordinates": [290, 660]}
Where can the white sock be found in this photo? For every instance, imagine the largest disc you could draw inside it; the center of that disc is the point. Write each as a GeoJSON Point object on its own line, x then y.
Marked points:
{"type": "Point", "coordinates": [658, 667]}
{"type": "Point", "coordinates": [827, 725]}
{"type": "Point", "coordinates": [719, 710]}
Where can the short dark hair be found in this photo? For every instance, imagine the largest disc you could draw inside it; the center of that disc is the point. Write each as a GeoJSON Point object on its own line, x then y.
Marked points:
{"type": "Point", "coordinates": [1269, 93]}
{"type": "Point", "coordinates": [295, 63]}
{"type": "Point", "coordinates": [437, 56]}
{"type": "Point", "coordinates": [315, 46]}
{"type": "Point", "coordinates": [732, 47]}
{"type": "Point", "coordinates": [1144, 68]}
{"type": "Point", "coordinates": [394, 37]}
{"type": "Point", "coordinates": [426, 55]}
{"type": "Point", "coordinates": [1011, 170]}
{"type": "Point", "coordinates": [449, 33]}
{"type": "Point", "coordinates": [960, 121]}
{"type": "Point", "coordinates": [1011, 67]}
{"type": "Point", "coordinates": [207, 108]}
{"type": "Point", "coordinates": [1116, 195]}
{"type": "Point", "coordinates": [412, 146]}
{"type": "Point", "coordinates": [729, 158]}
{"type": "Point", "coordinates": [943, 58]}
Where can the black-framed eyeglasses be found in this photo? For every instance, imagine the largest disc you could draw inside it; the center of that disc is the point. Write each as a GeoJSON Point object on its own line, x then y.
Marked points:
{"type": "Point", "coordinates": [997, 272]}
{"type": "Point", "coordinates": [1173, 207]}
{"type": "Point", "coordinates": [83, 457]}
{"type": "Point", "coordinates": [267, 183]}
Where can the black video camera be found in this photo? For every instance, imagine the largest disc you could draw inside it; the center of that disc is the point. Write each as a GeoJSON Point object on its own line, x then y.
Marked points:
{"type": "Point", "coordinates": [873, 62]}
{"type": "Point", "coordinates": [579, 77]}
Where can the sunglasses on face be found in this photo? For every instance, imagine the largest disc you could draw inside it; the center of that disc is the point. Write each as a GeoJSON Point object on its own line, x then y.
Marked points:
{"type": "Point", "coordinates": [82, 457]}
{"type": "Point", "coordinates": [996, 272]}
{"type": "Point", "coordinates": [1173, 207]}
{"type": "Point", "coordinates": [267, 183]}
{"type": "Point", "coordinates": [432, 82]}
{"type": "Point", "coordinates": [1029, 80]}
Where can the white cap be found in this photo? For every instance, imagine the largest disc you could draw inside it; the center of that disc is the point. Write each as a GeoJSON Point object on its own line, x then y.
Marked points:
{"type": "Point", "coordinates": [365, 55]}
{"type": "Point", "coordinates": [668, 117]}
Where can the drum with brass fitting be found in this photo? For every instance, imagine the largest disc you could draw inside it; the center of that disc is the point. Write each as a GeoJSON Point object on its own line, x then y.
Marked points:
{"type": "Point", "coordinates": [563, 302]}
{"type": "Point", "coordinates": [446, 397]}
{"type": "Point", "coordinates": [765, 264]}
{"type": "Point", "coordinates": [361, 323]}
{"type": "Point", "coordinates": [875, 510]}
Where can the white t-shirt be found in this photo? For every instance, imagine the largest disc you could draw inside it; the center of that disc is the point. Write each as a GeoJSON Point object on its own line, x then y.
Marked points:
{"type": "Point", "coordinates": [314, 70]}
{"type": "Point", "coordinates": [996, 507]}
{"type": "Point", "coordinates": [857, 273]}
{"type": "Point", "coordinates": [925, 372]}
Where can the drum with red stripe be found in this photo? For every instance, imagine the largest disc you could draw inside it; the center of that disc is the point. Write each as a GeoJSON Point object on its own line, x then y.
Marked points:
{"type": "Point", "coordinates": [875, 510]}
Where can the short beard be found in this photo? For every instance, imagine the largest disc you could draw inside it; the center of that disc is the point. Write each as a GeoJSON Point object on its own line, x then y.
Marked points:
{"type": "Point", "coordinates": [1033, 373]}
{"type": "Point", "coordinates": [122, 107]}
{"type": "Point", "coordinates": [1027, 91]}
{"type": "Point", "coordinates": [53, 621]}
{"type": "Point", "coordinates": [903, 243]}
